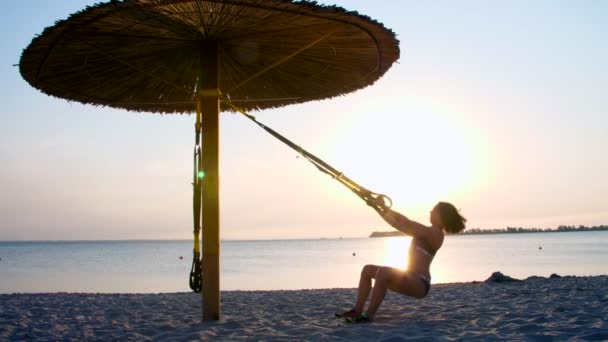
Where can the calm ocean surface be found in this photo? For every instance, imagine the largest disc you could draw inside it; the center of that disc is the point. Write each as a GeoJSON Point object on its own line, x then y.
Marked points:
{"type": "Point", "coordinates": [155, 266]}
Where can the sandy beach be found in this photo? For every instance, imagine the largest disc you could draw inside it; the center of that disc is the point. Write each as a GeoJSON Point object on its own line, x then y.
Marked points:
{"type": "Point", "coordinates": [539, 309]}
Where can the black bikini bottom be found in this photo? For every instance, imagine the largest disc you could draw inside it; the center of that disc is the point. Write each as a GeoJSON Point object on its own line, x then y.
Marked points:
{"type": "Point", "coordinates": [425, 281]}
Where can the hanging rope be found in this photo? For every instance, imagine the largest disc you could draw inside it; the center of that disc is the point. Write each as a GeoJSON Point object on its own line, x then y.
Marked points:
{"type": "Point", "coordinates": [196, 282]}
{"type": "Point", "coordinates": [375, 200]}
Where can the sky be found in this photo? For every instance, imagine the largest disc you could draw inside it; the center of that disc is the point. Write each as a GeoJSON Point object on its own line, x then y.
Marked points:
{"type": "Point", "coordinates": [496, 106]}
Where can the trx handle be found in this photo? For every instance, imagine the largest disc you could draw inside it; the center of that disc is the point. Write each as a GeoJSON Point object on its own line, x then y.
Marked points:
{"type": "Point", "coordinates": [196, 283]}
{"type": "Point", "coordinates": [379, 202]}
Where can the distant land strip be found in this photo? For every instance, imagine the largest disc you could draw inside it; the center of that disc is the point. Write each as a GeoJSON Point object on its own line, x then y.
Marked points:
{"type": "Point", "coordinates": [508, 230]}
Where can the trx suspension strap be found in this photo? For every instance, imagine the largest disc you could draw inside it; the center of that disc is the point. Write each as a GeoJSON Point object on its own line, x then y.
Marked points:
{"type": "Point", "coordinates": [377, 201]}
{"type": "Point", "coordinates": [196, 270]}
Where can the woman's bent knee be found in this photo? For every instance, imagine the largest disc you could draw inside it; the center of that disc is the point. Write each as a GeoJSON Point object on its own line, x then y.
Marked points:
{"type": "Point", "coordinates": [383, 273]}
{"type": "Point", "coordinates": [369, 270]}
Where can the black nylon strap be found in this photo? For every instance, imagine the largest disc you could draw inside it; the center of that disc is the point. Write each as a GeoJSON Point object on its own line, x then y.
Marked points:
{"type": "Point", "coordinates": [195, 279]}
{"type": "Point", "coordinates": [377, 201]}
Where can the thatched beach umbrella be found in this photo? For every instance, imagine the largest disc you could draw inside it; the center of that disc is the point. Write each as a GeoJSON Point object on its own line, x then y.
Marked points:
{"type": "Point", "coordinates": [178, 56]}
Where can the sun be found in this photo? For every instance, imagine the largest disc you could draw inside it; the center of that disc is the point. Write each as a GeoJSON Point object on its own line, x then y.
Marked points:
{"type": "Point", "coordinates": [417, 156]}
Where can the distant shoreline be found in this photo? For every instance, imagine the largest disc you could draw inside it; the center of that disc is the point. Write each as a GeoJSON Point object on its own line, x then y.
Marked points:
{"type": "Point", "coordinates": [470, 231]}
{"type": "Point", "coordinates": [508, 230]}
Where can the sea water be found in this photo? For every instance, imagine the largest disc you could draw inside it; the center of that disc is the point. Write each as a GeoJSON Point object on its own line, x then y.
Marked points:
{"type": "Point", "coordinates": [164, 266]}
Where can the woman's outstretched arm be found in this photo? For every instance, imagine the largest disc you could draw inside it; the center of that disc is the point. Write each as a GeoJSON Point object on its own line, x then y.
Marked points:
{"type": "Point", "coordinates": [400, 222]}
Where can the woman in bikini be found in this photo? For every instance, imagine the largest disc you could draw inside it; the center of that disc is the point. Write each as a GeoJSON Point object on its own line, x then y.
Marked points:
{"type": "Point", "coordinates": [416, 280]}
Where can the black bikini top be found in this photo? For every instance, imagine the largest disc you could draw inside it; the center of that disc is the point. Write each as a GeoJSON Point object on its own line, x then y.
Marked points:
{"type": "Point", "coordinates": [423, 247]}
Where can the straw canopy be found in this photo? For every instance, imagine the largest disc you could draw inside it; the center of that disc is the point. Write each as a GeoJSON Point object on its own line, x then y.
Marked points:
{"type": "Point", "coordinates": [145, 55]}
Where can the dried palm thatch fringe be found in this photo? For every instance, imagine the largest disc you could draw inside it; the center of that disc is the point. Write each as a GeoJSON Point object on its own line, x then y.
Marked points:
{"type": "Point", "coordinates": [144, 55]}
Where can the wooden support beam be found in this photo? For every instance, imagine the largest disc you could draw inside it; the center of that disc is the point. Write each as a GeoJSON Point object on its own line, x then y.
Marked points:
{"type": "Point", "coordinates": [208, 95]}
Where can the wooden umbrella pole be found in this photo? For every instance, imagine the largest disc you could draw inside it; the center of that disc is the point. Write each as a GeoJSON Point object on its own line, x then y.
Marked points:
{"type": "Point", "coordinates": [208, 97]}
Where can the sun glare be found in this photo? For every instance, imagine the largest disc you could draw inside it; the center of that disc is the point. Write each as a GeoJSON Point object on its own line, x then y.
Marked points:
{"type": "Point", "coordinates": [395, 252]}
{"type": "Point", "coordinates": [416, 155]}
